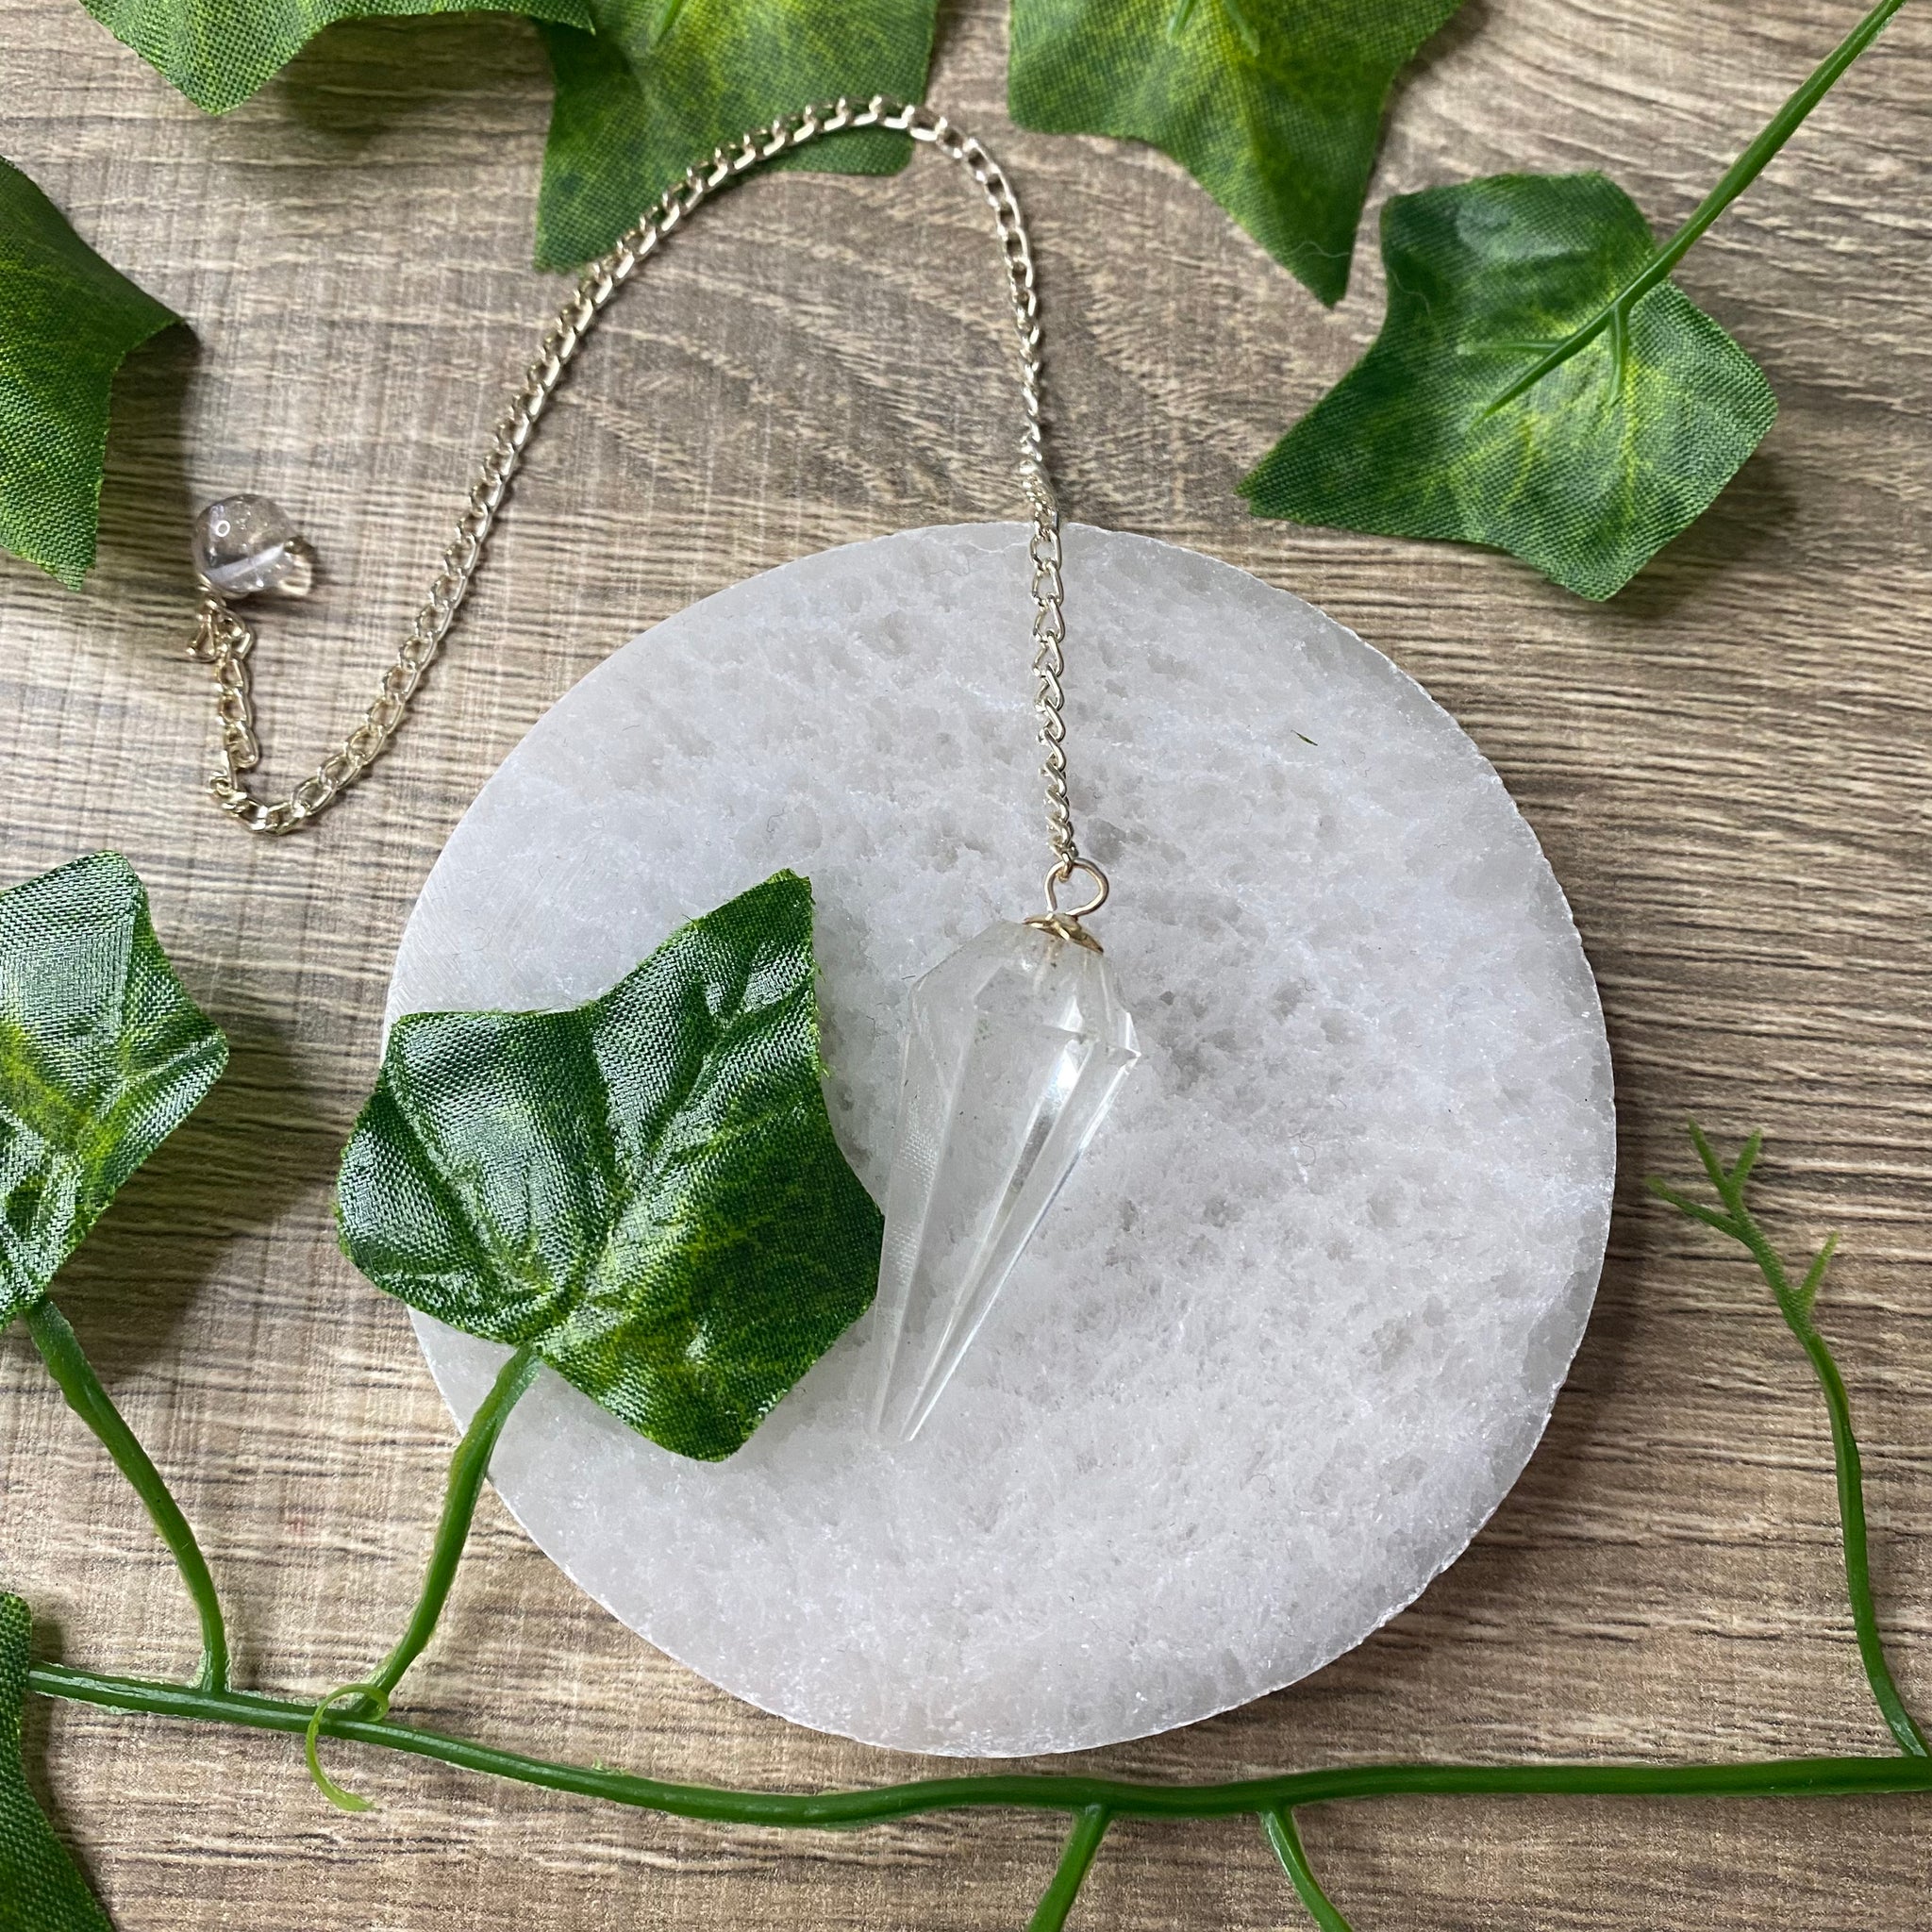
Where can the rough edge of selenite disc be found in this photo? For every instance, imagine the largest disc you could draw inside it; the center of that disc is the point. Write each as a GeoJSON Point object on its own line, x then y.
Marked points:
{"type": "Point", "coordinates": [1297, 1322]}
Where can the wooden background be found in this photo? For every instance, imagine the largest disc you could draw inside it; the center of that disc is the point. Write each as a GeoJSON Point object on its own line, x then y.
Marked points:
{"type": "Point", "coordinates": [1727, 766]}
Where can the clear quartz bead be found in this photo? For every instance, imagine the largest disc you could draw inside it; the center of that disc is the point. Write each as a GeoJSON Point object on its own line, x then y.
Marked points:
{"type": "Point", "coordinates": [1017, 1045]}
{"type": "Point", "coordinates": [245, 544]}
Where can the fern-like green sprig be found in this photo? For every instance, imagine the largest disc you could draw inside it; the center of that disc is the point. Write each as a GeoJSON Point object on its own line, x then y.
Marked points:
{"type": "Point", "coordinates": [1795, 1304]}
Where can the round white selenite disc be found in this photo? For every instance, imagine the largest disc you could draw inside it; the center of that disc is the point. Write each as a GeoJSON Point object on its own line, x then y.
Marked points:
{"type": "Point", "coordinates": [1296, 1322]}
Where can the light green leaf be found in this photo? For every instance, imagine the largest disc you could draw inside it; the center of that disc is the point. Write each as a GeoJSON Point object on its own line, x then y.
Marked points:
{"type": "Point", "coordinates": [664, 82]}
{"type": "Point", "coordinates": [1587, 472]}
{"type": "Point", "coordinates": [1273, 106]}
{"type": "Point", "coordinates": [102, 1057]}
{"type": "Point", "coordinates": [67, 321]}
{"type": "Point", "coordinates": [41, 1886]}
{"type": "Point", "coordinates": [218, 52]}
{"type": "Point", "coordinates": [645, 1188]}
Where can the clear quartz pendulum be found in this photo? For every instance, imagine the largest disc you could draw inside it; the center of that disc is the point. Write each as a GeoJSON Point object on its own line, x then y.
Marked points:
{"type": "Point", "coordinates": [1017, 1045]}
{"type": "Point", "coordinates": [1019, 1042]}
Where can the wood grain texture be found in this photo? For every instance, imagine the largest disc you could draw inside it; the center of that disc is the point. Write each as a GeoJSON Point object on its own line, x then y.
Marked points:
{"type": "Point", "coordinates": [1727, 766]}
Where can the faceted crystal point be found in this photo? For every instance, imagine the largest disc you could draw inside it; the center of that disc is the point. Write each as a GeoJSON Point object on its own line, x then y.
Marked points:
{"type": "Point", "coordinates": [244, 544]}
{"type": "Point", "coordinates": [1016, 1047]}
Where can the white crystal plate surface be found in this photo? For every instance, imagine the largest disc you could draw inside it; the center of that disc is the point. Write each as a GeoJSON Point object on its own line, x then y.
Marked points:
{"type": "Point", "coordinates": [1295, 1323]}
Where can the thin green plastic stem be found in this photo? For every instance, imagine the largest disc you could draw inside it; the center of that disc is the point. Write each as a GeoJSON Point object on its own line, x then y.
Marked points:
{"type": "Point", "coordinates": [1851, 1507]}
{"type": "Point", "coordinates": [1090, 1828]}
{"type": "Point", "coordinates": [1781, 1777]}
{"type": "Point", "coordinates": [75, 1376]}
{"type": "Point", "coordinates": [1091, 1803]}
{"type": "Point", "coordinates": [1287, 1841]}
{"type": "Point", "coordinates": [468, 1469]}
{"type": "Point", "coordinates": [1615, 313]}
{"type": "Point", "coordinates": [1796, 1305]}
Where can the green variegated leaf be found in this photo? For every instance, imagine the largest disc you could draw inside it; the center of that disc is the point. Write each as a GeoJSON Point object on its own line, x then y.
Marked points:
{"type": "Point", "coordinates": [1273, 106]}
{"type": "Point", "coordinates": [664, 82]}
{"type": "Point", "coordinates": [102, 1057]}
{"type": "Point", "coordinates": [67, 320]}
{"type": "Point", "coordinates": [645, 1189]}
{"type": "Point", "coordinates": [1586, 471]}
{"type": "Point", "coordinates": [218, 52]}
{"type": "Point", "coordinates": [41, 1886]}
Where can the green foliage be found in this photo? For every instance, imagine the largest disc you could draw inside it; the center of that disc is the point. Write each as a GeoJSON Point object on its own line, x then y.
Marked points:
{"type": "Point", "coordinates": [652, 1181]}
{"type": "Point", "coordinates": [102, 1057]}
{"type": "Point", "coordinates": [664, 82]}
{"type": "Point", "coordinates": [1273, 106]}
{"type": "Point", "coordinates": [1586, 472]}
{"type": "Point", "coordinates": [41, 1888]}
{"type": "Point", "coordinates": [67, 321]}
{"type": "Point", "coordinates": [1538, 384]}
{"type": "Point", "coordinates": [645, 1190]}
{"type": "Point", "coordinates": [218, 52]}
{"type": "Point", "coordinates": [1797, 1297]}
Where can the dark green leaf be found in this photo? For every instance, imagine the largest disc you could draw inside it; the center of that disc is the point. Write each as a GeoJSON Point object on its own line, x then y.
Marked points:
{"type": "Point", "coordinates": [41, 1888]}
{"type": "Point", "coordinates": [67, 320]}
{"type": "Point", "coordinates": [645, 1189]}
{"type": "Point", "coordinates": [664, 82]}
{"type": "Point", "coordinates": [218, 52]}
{"type": "Point", "coordinates": [102, 1057]}
{"type": "Point", "coordinates": [1587, 472]}
{"type": "Point", "coordinates": [1273, 106]}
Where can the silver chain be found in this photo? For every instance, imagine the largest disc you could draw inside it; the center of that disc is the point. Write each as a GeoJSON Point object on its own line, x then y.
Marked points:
{"type": "Point", "coordinates": [226, 642]}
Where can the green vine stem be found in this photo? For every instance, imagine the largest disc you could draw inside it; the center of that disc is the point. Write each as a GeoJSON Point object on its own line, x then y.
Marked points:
{"type": "Point", "coordinates": [75, 1376]}
{"type": "Point", "coordinates": [1090, 1828]}
{"type": "Point", "coordinates": [1615, 313]}
{"type": "Point", "coordinates": [1796, 1305]}
{"type": "Point", "coordinates": [1777, 1777]}
{"type": "Point", "coordinates": [1287, 1841]}
{"type": "Point", "coordinates": [468, 1469]}
{"type": "Point", "coordinates": [1091, 1803]}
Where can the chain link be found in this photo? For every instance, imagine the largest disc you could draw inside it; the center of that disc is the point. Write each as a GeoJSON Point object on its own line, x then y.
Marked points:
{"type": "Point", "coordinates": [226, 642]}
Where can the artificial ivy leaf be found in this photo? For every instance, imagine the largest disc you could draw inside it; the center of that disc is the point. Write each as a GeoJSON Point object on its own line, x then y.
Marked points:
{"type": "Point", "coordinates": [218, 52]}
{"type": "Point", "coordinates": [1588, 471]}
{"type": "Point", "coordinates": [645, 1188]}
{"type": "Point", "coordinates": [664, 82]}
{"type": "Point", "coordinates": [67, 321]}
{"type": "Point", "coordinates": [1273, 106]}
{"type": "Point", "coordinates": [102, 1057]}
{"type": "Point", "coordinates": [41, 1886]}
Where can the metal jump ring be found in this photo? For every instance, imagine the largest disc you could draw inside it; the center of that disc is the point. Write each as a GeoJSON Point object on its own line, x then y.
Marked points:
{"type": "Point", "coordinates": [1060, 875]}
